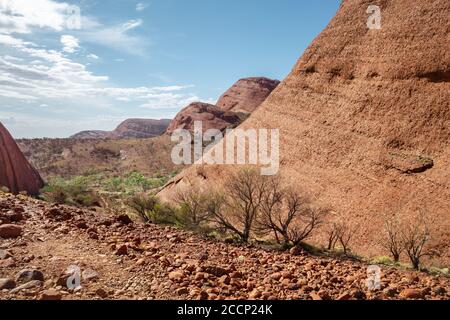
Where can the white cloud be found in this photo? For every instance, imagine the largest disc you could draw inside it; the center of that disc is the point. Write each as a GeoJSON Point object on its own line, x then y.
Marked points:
{"type": "Point", "coordinates": [131, 24]}
{"type": "Point", "coordinates": [141, 6]}
{"type": "Point", "coordinates": [118, 37]}
{"type": "Point", "coordinates": [44, 74]}
{"type": "Point", "coordinates": [22, 16]}
{"type": "Point", "coordinates": [70, 43]}
{"type": "Point", "coordinates": [10, 58]}
{"type": "Point", "coordinates": [93, 56]}
{"type": "Point", "coordinates": [11, 41]}
{"type": "Point", "coordinates": [168, 101]}
{"type": "Point", "coordinates": [45, 90]}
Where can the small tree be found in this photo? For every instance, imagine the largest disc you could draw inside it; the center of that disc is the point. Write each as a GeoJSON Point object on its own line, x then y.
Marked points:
{"type": "Point", "coordinates": [342, 232]}
{"type": "Point", "coordinates": [237, 212]}
{"type": "Point", "coordinates": [271, 208]}
{"type": "Point", "coordinates": [193, 204]}
{"type": "Point", "coordinates": [246, 190]}
{"type": "Point", "coordinates": [332, 235]}
{"type": "Point", "coordinates": [217, 208]}
{"type": "Point", "coordinates": [345, 235]}
{"type": "Point", "coordinates": [392, 240]}
{"type": "Point", "coordinates": [288, 215]}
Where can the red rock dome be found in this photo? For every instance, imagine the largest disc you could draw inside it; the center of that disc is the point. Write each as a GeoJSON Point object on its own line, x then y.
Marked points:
{"type": "Point", "coordinates": [16, 173]}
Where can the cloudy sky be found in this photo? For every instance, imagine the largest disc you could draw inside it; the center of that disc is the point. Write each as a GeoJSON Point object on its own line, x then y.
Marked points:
{"type": "Point", "coordinates": [67, 66]}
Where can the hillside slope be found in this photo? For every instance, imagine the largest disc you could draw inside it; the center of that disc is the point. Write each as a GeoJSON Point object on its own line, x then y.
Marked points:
{"type": "Point", "coordinates": [72, 157]}
{"type": "Point", "coordinates": [364, 119]}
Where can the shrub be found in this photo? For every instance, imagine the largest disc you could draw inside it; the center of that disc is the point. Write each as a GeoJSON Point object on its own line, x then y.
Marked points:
{"type": "Point", "coordinates": [287, 214]}
{"type": "Point", "coordinates": [72, 192]}
{"type": "Point", "coordinates": [55, 194]}
{"type": "Point", "coordinates": [86, 199]}
{"type": "Point", "coordinates": [383, 260]}
{"type": "Point", "coordinates": [193, 206]}
{"type": "Point", "coordinates": [166, 214]}
{"type": "Point", "coordinates": [238, 211]}
{"type": "Point", "coordinates": [150, 209]}
{"type": "Point", "coordinates": [256, 203]}
{"type": "Point", "coordinates": [143, 205]}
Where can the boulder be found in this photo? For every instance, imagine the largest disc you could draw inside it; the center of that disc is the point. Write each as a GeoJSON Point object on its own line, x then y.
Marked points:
{"type": "Point", "coordinates": [8, 231]}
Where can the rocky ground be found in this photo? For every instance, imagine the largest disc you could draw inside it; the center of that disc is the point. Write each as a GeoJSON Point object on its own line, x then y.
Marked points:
{"type": "Point", "coordinates": [122, 260]}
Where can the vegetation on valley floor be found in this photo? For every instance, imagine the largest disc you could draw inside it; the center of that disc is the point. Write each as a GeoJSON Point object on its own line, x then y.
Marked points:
{"type": "Point", "coordinates": [250, 209]}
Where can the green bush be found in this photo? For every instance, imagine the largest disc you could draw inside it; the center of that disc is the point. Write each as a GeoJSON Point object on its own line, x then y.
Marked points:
{"type": "Point", "coordinates": [150, 209]}
{"type": "Point", "coordinates": [73, 192]}
{"type": "Point", "coordinates": [143, 205]}
{"type": "Point", "coordinates": [166, 214]}
{"type": "Point", "coordinates": [55, 194]}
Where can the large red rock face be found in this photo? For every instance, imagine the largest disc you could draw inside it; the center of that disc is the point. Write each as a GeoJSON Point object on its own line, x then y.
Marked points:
{"type": "Point", "coordinates": [210, 115]}
{"type": "Point", "coordinates": [16, 173]}
{"type": "Point", "coordinates": [247, 94]}
{"type": "Point", "coordinates": [364, 120]}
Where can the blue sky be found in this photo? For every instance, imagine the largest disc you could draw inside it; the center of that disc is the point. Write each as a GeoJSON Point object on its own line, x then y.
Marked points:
{"type": "Point", "coordinates": [62, 72]}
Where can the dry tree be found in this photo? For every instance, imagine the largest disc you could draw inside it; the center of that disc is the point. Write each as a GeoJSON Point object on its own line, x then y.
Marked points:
{"type": "Point", "coordinates": [192, 202]}
{"type": "Point", "coordinates": [288, 215]}
{"type": "Point", "coordinates": [262, 205]}
{"type": "Point", "coordinates": [332, 236]}
{"type": "Point", "coordinates": [415, 237]}
{"type": "Point", "coordinates": [346, 233]}
{"type": "Point", "coordinates": [341, 231]}
{"type": "Point", "coordinates": [245, 190]}
{"type": "Point", "coordinates": [392, 239]}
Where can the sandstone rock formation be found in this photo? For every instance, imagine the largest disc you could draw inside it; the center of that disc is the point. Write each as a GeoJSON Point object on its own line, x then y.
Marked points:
{"type": "Point", "coordinates": [364, 119]}
{"type": "Point", "coordinates": [15, 171]}
{"type": "Point", "coordinates": [91, 134]}
{"type": "Point", "coordinates": [247, 94]}
{"type": "Point", "coordinates": [129, 129]}
{"type": "Point", "coordinates": [233, 107]}
{"type": "Point", "coordinates": [210, 115]}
